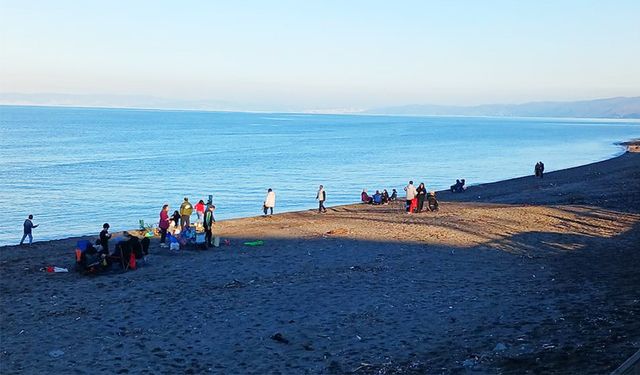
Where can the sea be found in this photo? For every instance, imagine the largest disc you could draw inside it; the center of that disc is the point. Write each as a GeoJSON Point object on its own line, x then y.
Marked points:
{"type": "Point", "coordinates": [77, 168]}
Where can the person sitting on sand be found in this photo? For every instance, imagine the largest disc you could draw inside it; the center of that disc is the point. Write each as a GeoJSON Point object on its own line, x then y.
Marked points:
{"type": "Point", "coordinates": [385, 196]}
{"type": "Point", "coordinates": [394, 195]}
{"type": "Point", "coordinates": [364, 197]}
{"type": "Point", "coordinates": [432, 202]}
{"type": "Point", "coordinates": [459, 186]}
{"type": "Point", "coordinates": [269, 201]}
{"type": "Point", "coordinates": [377, 198]}
{"type": "Point", "coordinates": [28, 226]}
{"type": "Point", "coordinates": [186, 209]}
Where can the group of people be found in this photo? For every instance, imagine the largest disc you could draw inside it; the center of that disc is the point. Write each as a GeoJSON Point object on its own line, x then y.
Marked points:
{"type": "Point", "coordinates": [539, 169]}
{"type": "Point", "coordinates": [379, 197]}
{"type": "Point", "coordinates": [415, 198]}
{"type": "Point", "coordinates": [97, 257]}
{"type": "Point", "coordinates": [459, 186]}
{"type": "Point", "coordinates": [181, 220]}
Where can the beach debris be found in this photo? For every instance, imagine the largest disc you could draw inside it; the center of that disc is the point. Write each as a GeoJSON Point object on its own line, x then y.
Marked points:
{"type": "Point", "coordinates": [548, 346]}
{"type": "Point", "coordinates": [279, 338]}
{"type": "Point", "coordinates": [254, 243]}
{"type": "Point", "coordinates": [56, 353]}
{"type": "Point", "coordinates": [337, 231]}
{"type": "Point", "coordinates": [500, 347]}
{"type": "Point", "coordinates": [359, 338]}
{"type": "Point", "coordinates": [53, 269]}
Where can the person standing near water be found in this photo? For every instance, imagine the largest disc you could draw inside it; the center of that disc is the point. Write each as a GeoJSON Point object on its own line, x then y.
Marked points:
{"type": "Point", "coordinates": [104, 238]}
{"type": "Point", "coordinates": [411, 194]}
{"type": "Point", "coordinates": [209, 219]}
{"type": "Point", "coordinates": [321, 197]}
{"type": "Point", "coordinates": [421, 193]}
{"type": "Point", "coordinates": [186, 209]}
{"type": "Point", "coordinates": [200, 208]}
{"type": "Point", "coordinates": [269, 201]}
{"type": "Point", "coordinates": [541, 169]}
{"type": "Point", "coordinates": [163, 224]}
{"type": "Point", "coordinates": [28, 227]}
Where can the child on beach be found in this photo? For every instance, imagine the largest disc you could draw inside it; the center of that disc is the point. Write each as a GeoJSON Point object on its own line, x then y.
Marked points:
{"type": "Point", "coordinates": [200, 211]}
{"type": "Point", "coordinates": [28, 227]}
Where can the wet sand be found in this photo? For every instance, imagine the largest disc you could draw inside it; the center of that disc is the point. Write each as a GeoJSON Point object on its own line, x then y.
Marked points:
{"type": "Point", "coordinates": [522, 276]}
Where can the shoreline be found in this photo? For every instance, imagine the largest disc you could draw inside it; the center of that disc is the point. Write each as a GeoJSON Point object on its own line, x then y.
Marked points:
{"type": "Point", "coordinates": [632, 145]}
{"type": "Point", "coordinates": [526, 274]}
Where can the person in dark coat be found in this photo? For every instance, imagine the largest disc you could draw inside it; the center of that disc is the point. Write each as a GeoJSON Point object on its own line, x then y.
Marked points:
{"type": "Point", "coordinates": [104, 238]}
{"type": "Point", "coordinates": [421, 193]}
{"type": "Point", "coordinates": [28, 226]}
{"type": "Point", "coordinates": [209, 219]}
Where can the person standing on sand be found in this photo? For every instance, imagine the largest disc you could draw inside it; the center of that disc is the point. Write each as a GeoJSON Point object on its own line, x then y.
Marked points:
{"type": "Point", "coordinates": [163, 224]}
{"type": "Point", "coordinates": [104, 238]}
{"type": "Point", "coordinates": [421, 193]}
{"type": "Point", "coordinates": [411, 194]}
{"type": "Point", "coordinates": [541, 169]}
{"type": "Point", "coordinates": [269, 201]}
{"type": "Point", "coordinates": [27, 228]}
{"type": "Point", "coordinates": [186, 209]}
{"type": "Point", "coordinates": [200, 210]}
{"type": "Point", "coordinates": [209, 219]}
{"type": "Point", "coordinates": [321, 197]}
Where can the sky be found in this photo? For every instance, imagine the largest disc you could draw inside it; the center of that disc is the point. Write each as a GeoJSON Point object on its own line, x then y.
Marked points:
{"type": "Point", "coordinates": [307, 55]}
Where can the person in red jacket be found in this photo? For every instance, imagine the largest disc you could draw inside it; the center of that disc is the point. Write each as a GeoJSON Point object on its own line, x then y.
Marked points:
{"type": "Point", "coordinates": [164, 224]}
{"type": "Point", "coordinates": [200, 211]}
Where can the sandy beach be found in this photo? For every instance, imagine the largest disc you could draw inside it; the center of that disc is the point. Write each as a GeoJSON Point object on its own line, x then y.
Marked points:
{"type": "Point", "coordinates": [520, 276]}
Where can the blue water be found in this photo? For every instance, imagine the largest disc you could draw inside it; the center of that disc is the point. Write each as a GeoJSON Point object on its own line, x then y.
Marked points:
{"type": "Point", "coordinates": [75, 169]}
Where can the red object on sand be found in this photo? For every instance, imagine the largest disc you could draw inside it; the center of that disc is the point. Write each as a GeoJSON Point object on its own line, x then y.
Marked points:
{"type": "Point", "coordinates": [49, 268]}
{"type": "Point", "coordinates": [132, 262]}
{"type": "Point", "coordinates": [414, 205]}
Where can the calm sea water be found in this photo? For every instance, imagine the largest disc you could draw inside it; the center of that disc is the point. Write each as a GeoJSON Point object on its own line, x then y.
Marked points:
{"type": "Point", "coordinates": [75, 169]}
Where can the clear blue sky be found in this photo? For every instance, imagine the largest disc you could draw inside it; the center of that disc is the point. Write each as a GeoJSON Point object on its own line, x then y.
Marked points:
{"type": "Point", "coordinates": [323, 54]}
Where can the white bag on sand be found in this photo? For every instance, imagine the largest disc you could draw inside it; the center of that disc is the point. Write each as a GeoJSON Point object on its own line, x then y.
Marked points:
{"type": "Point", "coordinates": [174, 246]}
{"type": "Point", "coordinates": [216, 241]}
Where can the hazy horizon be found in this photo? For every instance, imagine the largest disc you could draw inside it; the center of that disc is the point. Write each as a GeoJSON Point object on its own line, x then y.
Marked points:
{"type": "Point", "coordinates": [310, 56]}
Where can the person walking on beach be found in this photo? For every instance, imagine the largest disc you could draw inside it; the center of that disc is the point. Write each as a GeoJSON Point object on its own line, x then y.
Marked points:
{"type": "Point", "coordinates": [104, 238]}
{"type": "Point", "coordinates": [163, 224]}
{"type": "Point", "coordinates": [27, 228]}
{"type": "Point", "coordinates": [411, 194]}
{"type": "Point", "coordinates": [200, 210]}
{"type": "Point", "coordinates": [269, 201]}
{"type": "Point", "coordinates": [209, 219]}
{"type": "Point", "coordinates": [321, 197]}
{"type": "Point", "coordinates": [421, 193]}
{"type": "Point", "coordinates": [186, 209]}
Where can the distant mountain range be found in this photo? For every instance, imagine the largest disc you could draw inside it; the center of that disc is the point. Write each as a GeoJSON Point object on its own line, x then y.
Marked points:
{"type": "Point", "coordinates": [621, 107]}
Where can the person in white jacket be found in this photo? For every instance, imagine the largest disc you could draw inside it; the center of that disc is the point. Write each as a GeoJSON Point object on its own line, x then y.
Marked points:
{"type": "Point", "coordinates": [269, 201]}
{"type": "Point", "coordinates": [411, 193]}
{"type": "Point", "coordinates": [321, 197]}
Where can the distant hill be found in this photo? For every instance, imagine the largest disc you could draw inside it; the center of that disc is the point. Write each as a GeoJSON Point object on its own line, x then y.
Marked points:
{"type": "Point", "coordinates": [621, 107]}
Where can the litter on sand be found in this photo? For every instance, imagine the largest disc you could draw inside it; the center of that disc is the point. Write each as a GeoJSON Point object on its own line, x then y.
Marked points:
{"type": "Point", "coordinates": [254, 243]}
{"type": "Point", "coordinates": [53, 269]}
